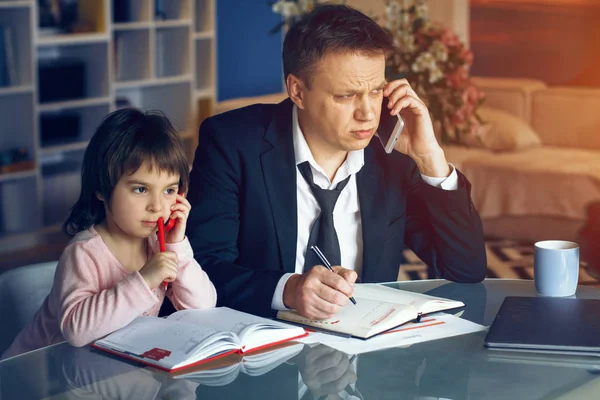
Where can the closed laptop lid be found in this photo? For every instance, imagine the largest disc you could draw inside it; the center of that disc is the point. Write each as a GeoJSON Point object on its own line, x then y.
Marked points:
{"type": "Point", "coordinates": [546, 324]}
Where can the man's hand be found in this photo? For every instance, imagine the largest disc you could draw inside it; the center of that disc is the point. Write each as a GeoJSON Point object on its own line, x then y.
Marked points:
{"type": "Point", "coordinates": [324, 370]}
{"type": "Point", "coordinates": [319, 293]}
{"type": "Point", "coordinates": [418, 137]}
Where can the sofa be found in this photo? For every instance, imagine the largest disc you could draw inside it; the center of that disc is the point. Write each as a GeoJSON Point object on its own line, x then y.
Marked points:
{"type": "Point", "coordinates": [542, 188]}
{"type": "Point", "coordinates": [542, 173]}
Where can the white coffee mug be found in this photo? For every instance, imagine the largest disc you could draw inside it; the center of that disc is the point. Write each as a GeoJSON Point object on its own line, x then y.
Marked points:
{"type": "Point", "coordinates": [556, 268]}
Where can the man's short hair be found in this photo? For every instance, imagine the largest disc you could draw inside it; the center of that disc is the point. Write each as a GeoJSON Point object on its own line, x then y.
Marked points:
{"type": "Point", "coordinates": [330, 28]}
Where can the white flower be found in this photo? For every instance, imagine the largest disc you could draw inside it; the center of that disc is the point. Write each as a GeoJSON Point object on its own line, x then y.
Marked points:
{"type": "Point", "coordinates": [392, 9]}
{"type": "Point", "coordinates": [424, 61]}
{"type": "Point", "coordinates": [438, 49]}
{"type": "Point", "coordinates": [435, 74]}
{"type": "Point", "coordinates": [287, 9]}
{"type": "Point", "coordinates": [422, 11]}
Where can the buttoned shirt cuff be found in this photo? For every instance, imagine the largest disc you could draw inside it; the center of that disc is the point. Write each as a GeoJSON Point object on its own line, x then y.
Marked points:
{"type": "Point", "coordinates": [277, 302]}
{"type": "Point", "coordinates": [448, 183]}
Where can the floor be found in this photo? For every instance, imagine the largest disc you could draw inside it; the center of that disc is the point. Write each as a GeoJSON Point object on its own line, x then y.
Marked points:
{"type": "Point", "coordinates": [506, 259]}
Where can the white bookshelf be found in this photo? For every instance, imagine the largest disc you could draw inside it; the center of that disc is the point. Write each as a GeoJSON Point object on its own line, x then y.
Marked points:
{"type": "Point", "coordinates": [165, 63]}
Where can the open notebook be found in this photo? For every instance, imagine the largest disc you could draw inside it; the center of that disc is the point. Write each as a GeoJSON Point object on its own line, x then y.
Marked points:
{"type": "Point", "coordinates": [191, 337]}
{"type": "Point", "coordinates": [225, 370]}
{"type": "Point", "coordinates": [379, 308]}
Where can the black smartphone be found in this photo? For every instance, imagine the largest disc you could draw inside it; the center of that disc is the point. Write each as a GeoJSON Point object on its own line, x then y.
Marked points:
{"type": "Point", "coordinates": [390, 127]}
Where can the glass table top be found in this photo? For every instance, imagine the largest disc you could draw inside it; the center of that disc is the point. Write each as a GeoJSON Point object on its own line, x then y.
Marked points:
{"type": "Point", "coordinates": [452, 368]}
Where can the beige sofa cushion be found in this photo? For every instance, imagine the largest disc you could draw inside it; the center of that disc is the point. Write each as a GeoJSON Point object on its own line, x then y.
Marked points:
{"type": "Point", "coordinates": [568, 117]}
{"type": "Point", "coordinates": [509, 94]}
{"type": "Point", "coordinates": [505, 132]}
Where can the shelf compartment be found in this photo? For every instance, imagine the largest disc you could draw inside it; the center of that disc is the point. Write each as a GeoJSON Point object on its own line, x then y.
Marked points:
{"type": "Point", "coordinates": [71, 129]}
{"type": "Point", "coordinates": [16, 26]}
{"type": "Point", "coordinates": [172, 52]}
{"type": "Point", "coordinates": [174, 100]}
{"type": "Point", "coordinates": [95, 60]}
{"type": "Point", "coordinates": [131, 11]}
{"type": "Point", "coordinates": [205, 14]}
{"type": "Point", "coordinates": [131, 55]}
{"type": "Point", "coordinates": [172, 10]}
{"type": "Point", "coordinates": [19, 209]}
{"type": "Point", "coordinates": [61, 173]}
{"type": "Point", "coordinates": [17, 129]}
{"type": "Point", "coordinates": [204, 65]}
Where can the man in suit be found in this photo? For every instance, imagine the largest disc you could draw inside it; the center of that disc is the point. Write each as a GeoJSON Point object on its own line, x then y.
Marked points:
{"type": "Point", "coordinates": [255, 211]}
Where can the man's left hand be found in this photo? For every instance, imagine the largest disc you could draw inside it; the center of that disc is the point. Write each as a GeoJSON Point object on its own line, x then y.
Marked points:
{"type": "Point", "coordinates": [417, 139]}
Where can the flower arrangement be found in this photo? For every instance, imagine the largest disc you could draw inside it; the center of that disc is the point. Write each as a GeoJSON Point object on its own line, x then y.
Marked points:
{"type": "Point", "coordinates": [436, 64]}
{"type": "Point", "coordinates": [292, 10]}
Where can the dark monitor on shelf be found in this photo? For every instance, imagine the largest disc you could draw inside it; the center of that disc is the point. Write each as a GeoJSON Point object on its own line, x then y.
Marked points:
{"type": "Point", "coordinates": [61, 79]}
{"type": "Point", "coordinates": [59, 128]}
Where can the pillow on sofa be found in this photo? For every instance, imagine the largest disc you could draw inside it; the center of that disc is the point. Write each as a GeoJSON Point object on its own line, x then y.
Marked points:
{"type": "Point", "coordinates": [502, 131]}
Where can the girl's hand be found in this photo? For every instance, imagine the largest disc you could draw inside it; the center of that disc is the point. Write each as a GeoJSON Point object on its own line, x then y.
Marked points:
{"type": "Point", "coordinates": [179, 212]}
{"type": "Point", "coordinates": [161, 267]}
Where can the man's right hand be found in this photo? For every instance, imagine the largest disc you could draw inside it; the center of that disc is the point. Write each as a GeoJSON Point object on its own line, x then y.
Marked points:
{"type": "Point", "coordinates": [319, 293]}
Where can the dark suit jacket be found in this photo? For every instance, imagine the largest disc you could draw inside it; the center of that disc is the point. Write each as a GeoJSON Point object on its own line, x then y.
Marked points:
{"type": "Point", "coordinates": [243, 222]}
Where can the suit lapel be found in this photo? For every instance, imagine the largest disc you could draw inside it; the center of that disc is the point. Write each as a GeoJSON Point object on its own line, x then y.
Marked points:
{"type": "Point", "coordinates": [372, 197]}
{"type": "Point", "coordinates": [279, 172]}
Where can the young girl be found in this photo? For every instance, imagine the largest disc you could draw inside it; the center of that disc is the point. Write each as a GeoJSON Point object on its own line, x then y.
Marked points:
{"type": "Point", "coordinates": [112, 270]}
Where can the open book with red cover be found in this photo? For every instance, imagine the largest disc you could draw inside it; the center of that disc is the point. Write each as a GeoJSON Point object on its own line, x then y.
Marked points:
{"type": "Point", "coordinates": [225, 370]}
{"type": "Point", "coordinates": [191, 337]}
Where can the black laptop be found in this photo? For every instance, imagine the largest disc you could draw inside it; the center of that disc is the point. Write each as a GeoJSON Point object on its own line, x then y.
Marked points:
{"type": "Point", "coordinates": [547, 324]}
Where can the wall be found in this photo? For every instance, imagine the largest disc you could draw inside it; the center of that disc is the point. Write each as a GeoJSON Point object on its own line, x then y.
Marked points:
{"type": "Point", "coordinates": [248, 58]}
{"type": "Point", "coordinates": [550, 41]}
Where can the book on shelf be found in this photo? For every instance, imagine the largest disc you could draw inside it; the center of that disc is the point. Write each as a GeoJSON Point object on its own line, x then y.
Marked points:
{"type": "Point", "coordinates": [378, 309]}
{"type": "Point", "coordinates": [118, 55]}
{"type": "Point", "coordinates": [225, 370]}
{"type": "Point", "coordinates": [121, 11]}
{"type": "Point", "coordinates": [8, 68]}
{"type": "Point", "coordinates": [191, 337]}
{"type": "Point", "coordinates": [11, 63]}
{"type": "Point", "coordinates": [159, 57]}
{"type": "Point", "coordinates": [3, 66]}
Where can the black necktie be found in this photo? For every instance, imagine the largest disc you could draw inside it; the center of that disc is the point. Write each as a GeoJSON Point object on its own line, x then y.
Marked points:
{"type": "Point", "coordinates": [322, 233]}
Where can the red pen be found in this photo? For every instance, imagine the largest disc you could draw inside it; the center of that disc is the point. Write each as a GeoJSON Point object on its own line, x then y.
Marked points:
{"type": "Point", "coordinates": [161, 241]}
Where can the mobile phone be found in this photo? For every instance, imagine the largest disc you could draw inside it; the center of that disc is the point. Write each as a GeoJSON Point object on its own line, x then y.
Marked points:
{"type": "Point", "coordinates": [390, 127]}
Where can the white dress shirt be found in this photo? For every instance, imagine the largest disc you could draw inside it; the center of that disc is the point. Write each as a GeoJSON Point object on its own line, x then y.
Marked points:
{"type": "Point", "coordinates": [346, 214]}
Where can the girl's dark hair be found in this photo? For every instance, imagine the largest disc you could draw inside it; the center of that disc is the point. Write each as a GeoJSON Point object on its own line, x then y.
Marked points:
{"type": "Point", "coordinates": [330, 28]}
{"type": "Point", "coordinates": [123, 141]}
